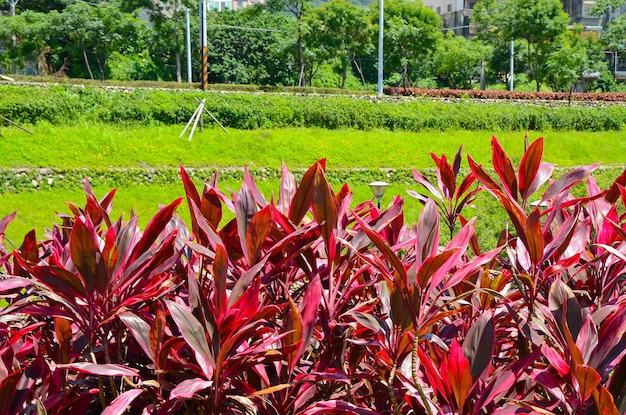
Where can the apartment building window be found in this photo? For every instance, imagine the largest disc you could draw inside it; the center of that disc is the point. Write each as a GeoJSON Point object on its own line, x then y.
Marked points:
{"type": "Point", "coordinates": [449, 8]}
{"type": "Point", "coordinates": [221, 5]}
{"type": "Point", "coordinates": [438, 10]}
{"type": "Point", "coordinates": [588, 6]}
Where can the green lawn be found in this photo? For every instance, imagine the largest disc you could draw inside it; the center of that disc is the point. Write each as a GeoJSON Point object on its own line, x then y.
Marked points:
{"type": "Point", "coordinates": [103, 146]}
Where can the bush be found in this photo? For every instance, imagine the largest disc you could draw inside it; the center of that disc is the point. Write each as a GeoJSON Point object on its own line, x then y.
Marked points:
{"type": "Point", "coordinates": [66, 104]}
{"type": "Point", "coordinates": [302, 305]}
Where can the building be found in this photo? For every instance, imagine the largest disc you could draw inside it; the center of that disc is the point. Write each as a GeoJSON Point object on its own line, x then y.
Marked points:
{"type": "Point", "coordinates": [232, 4]}
{"type": "Point", "coordinates": [457, 14]}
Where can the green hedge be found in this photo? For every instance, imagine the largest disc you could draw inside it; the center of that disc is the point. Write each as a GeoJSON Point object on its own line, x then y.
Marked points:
{"type": "Point", "coordinates": [71, 104]}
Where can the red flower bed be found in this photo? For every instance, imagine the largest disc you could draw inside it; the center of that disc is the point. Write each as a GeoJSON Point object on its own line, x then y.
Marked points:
{"type": "Point", "coordinates": [505, 95]}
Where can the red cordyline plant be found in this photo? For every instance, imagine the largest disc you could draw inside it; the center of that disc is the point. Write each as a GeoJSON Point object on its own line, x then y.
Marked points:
{"type": "Point", "coordinates": [312, 304]}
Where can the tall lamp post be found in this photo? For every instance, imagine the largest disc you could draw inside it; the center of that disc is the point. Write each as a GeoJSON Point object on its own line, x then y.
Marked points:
{"type": "Point", "coordinates": [12, 4]}
{"type": "Point", "coordinates": [380, 46]}
{"type": "Point", "coordinates": [378, 189]}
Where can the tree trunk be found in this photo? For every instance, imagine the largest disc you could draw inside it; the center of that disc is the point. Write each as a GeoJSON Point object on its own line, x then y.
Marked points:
{"type": "Point", "coordinates": [360, 71]}
{"type": "Point", "coordinates": [179, 76]}
{"type": "Point", "coordinates": [86, 60]}
{"type": "Point", "coordinates": [300, 54]}
{"type": "Point", "coordinates": [100, 67]}
{"type": "Point", "coordinates": [344, 74]}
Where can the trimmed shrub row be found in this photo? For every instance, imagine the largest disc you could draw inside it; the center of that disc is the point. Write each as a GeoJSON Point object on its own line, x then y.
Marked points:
{"type": "Point", "coordinates": [67, 105]}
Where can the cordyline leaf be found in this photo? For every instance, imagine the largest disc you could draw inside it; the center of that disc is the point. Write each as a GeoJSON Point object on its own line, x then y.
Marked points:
{"type": "Point", "coordinates": [605, 405]}
{"type": "Point", "coordinates": [471, 267]}
{"type": "Point", "coordinates": [565, 308]}
{"type": "Point", "coordinates": [618, 386]}
{"type": "Point", "coordinates": [529, 167]}
{"type": "Point", "coordinates": [7, 390]}
{"type": "Point", "coordinates": [567, 181]}
{"type": "Point", "coordinates": [464, 187]}
{"type": "Point", "coordinates": [157, 331]}
{"type": "Point", "coordinates": [87, 257]}
{"type": "Point", "coordinates": [63, 332]}
{"type": "Point", "coordinates": [192, 198]}
{"type": "Point", "coordinates": [140, 331]}
{"type": "Point", "coordinates": [325, 210]}
{"type": "Point", "coordinates": [187, 388]}
{"type": "Point", "coordinates": [445, 175]}
{"type": "Point", "coordinates": [504, 168]}
{"type": "Point", "coordinates": [421, 179]}
{"type": "Point", "coordinates": [194, 335]}
{"type": "Point", "coordinates": [4, 222]}
{"type": "Point", "coordinates": [245, 209]}
{"type": "Point", "coordinates": [456, 164]}
{"type": "Point", "coordinates": [211, 207]}
{"type": "Point", "coordinates": [543, 174]}
{"type": "Point", "coordinates": [301, 201]}
{"type": "Point", "coordinates": [122, 402]}
{"type": "Point", "coordinates": [14, 283]}
{"type": "Point", "coordinates": [608, 232]}
{"type": "Point", "coordinates": [28, 249]}
{"type": "Point", "coordinates": [457, 373]}
{"type": "Point", "coordinates": [294, 327]}
{"type": "Point", "coordinates": [272, 389]}
{"type": "Point", "coordinates": [562, 237]}
{"type": "Point", "coordinates": [258, 197]}
{"type": "Point", "coordinates": [616, 189]}
{"type": "Point", "coordinates": [400, 276]}
{"type": "Point", "coordinates": [288, 186]}
{"type": "Point", "coordinates": [587, 379]}
{"type": "Point", "coordinates": [220, 276]}
{"type": "Point", "coordinates": [308, 311]}
{"type": "Point", "coordinates": [427, 241]}
{"type": "Point", "coordinates": [153, 229]}
{"type": "Point", "coordinates": [534, 237]}
{"type": "Point", "coordinates": [478, 345]}
{"type": "Point", "coordinates": [258, 229]}
{"type": "Point", "coordinates": [336, 407]}
{"type": "Point", "coordinates": [432, 265]}
{"type": "Point", "coordinates": [100, 369]}
{"type": "Point", "coordinates": [516, 213]}
{"type": "Point", "coordinates": [60, 281]}
{"type": "Point", "coordinates": [110, 253]}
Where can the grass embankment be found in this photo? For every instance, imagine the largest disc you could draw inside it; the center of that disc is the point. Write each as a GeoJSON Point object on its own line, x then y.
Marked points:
{"type": "Point", "coordinates": [103, 146]}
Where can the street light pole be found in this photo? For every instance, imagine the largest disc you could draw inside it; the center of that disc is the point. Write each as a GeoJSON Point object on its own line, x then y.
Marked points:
{"type": "Point", "coordinates": [188, 46]}
{"type": "Point", "coordinates": [512, 64]}
{"type": "Point", "coordinates": [378, 189]}
{"type": "Point", "coordinates": [12, 4]}
{"type": "Point", "coordinates": [380, 46]}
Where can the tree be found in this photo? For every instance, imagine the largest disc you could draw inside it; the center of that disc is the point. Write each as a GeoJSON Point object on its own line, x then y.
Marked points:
{"type": "Point", "coordinates": [459, 60]}
{"type": "Point", "coordinates": [411, 32]}
{"type": "Point", "coordinates": [541, 23]}
{"type": "Point", "coordinates": [575, 57]}
{"type": "Point", "coordinates": [25, 37]}
{"type": "Point", "coordinates": [91, 33]}
{"type": "Point", "coordinates": [250, 46]}
{"type": "Point", "coordinates": [298, 9]}
{"type": "Point", "coordinates": [341, 32]}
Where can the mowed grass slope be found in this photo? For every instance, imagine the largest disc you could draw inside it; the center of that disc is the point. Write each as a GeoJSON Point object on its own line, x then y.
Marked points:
{"type": "Point", "coordinates": [103, 146]}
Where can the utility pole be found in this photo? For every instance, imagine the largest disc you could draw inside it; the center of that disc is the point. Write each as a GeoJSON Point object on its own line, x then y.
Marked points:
{"type": "Point", "coordinates": [512, 64]}
{"type": "Point", "coordinates": [204, 58]}
{"type": "Point", "coordinates": [188, 46]}
{"type": "Point", "coordinates": [381, 22]}
{"type": "Point", "coordinates": [12, 4]}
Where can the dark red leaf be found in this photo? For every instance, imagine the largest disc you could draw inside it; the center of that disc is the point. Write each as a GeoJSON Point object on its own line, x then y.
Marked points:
{"type": "Point", "coordinates": [258, 229]}
{"type": "Point", "coordinates": [504, 168]}
{"type": "Point", "coordinates": [211, 207]}
{"type": "Point", "coordinates": [187, 388]}
{"type": "Point", "coordinates": [303, 197]}
{"type": "Point", "coordinates": [86, 256]}
{"type": "Point", "coordinates": [529, 167]}
{"type": "Point", "coordinates": [288, 187]}
{"type": "Point", "coordinates": [456, 371]}
{"type": "Point", "coordinates": [587, 379]}
{"type": "Point", "coordinates": [100, 369]}
{"type": "Point", "coordinates": [154, 228]}
{"type": "Point", "coordinates": [245, 209]}
{"type": "Point", "coordinates": [534, 237]}
{"type": "Point", "coordinates": [61, 281]}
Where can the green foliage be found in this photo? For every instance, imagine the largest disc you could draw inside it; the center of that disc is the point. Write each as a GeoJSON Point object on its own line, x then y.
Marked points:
{"type": "Point", "coordinates": [340, 32]}
{"type": "Point", "coordinates": [458, 61]}
{"type": "Point", "coordinates": [411, 31]}
{"type": "Point", "coordinates": [541, 24]}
